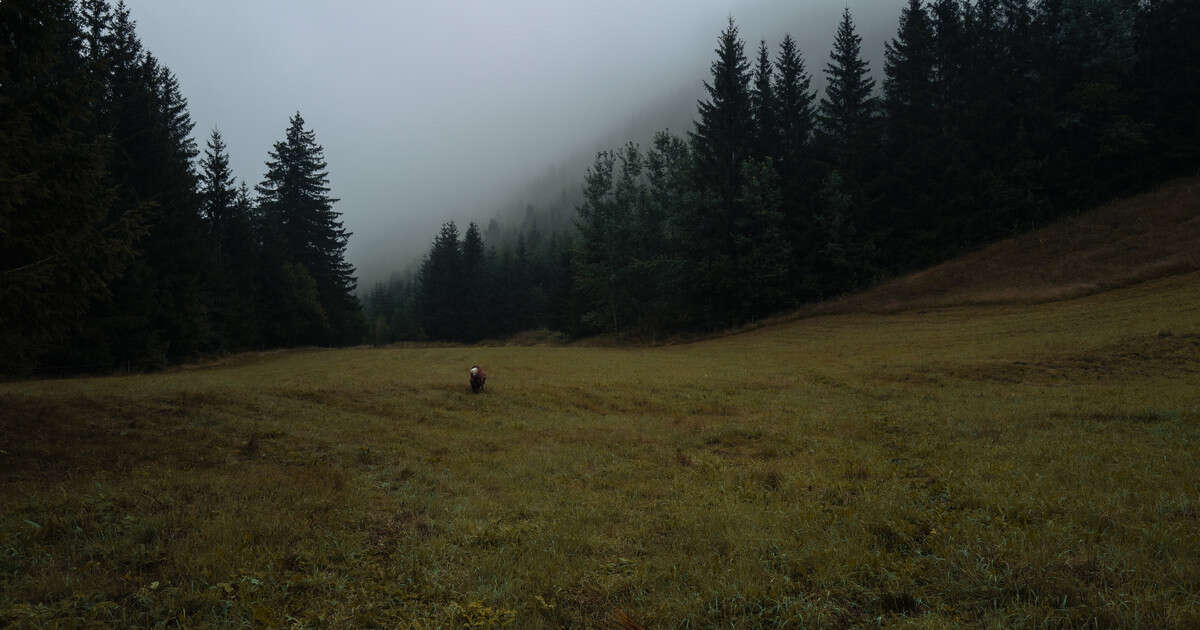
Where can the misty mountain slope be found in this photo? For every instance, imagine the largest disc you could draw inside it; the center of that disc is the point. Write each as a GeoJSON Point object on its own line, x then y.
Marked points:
{"type": "Point", "coordinates": [1131, 240]}
{"type": "Point", "coordinates": [637, 114]}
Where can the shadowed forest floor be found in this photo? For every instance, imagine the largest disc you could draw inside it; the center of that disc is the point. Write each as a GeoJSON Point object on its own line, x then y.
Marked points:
{"type": "Point", "coordinates": [1003, 465]}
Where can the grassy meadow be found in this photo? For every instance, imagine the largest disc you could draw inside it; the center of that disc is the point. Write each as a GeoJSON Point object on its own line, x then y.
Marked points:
{"type": "Point", "coordinates": [986, 466]}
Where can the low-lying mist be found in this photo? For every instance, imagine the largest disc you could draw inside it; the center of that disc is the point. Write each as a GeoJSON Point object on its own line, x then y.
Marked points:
{"type": "Point", "coordinates": [458, 110]}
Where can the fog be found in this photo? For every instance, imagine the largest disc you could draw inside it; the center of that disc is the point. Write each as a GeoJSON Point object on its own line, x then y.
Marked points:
{"type": "Point", "coordinates": [448, 110]}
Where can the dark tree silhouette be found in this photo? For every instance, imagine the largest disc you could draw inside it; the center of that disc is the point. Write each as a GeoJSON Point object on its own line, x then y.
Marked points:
{"type": "Point", "coordinates": [304, 236]}
{"type": "Point", "coordinates": [63, 239]}
{"type": "Point", "coordinates": [848, 108]}
{"type": "Point", "coordinates": [723, 135]}
{"type": "Point", "coordinates": [795, 98]}
{"type": "Point", "coordinates": [909, 100]}
{"type": "Point", "coordinates": [764, 106]}
{"type": "Point", "coordinates": [440, 281]}
{"type": "Point", "coordinates": [217, 192]}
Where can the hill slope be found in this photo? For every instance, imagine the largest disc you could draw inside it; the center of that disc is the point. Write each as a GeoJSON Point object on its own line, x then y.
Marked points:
{"type": "Point", "coordinates": [1146, 236]}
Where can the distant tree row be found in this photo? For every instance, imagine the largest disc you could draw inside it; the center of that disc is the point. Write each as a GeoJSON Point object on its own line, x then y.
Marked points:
{"type": "Point", "coordinates": [466, 291]}
{"type": "Point", "coordinates": [994, 117]}
{"type": "Point", "coordinates": [116, 247]}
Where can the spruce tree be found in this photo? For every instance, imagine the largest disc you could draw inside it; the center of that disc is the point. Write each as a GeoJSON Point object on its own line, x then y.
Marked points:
{"type": "Point", "coordinates": [95, 16]}
{"type": "Point", "coordinates": [440, 298]}
{"type": "Point", "coordinates": [909, 102]}
{"type": "Point", "coordinates": [722, 140]}
{"type": "Point", "coordinates": [793, 92]}
{"type": "Point", "coordinates": [848, 108]}
{"type": "Point", "coordinates": [472, 249]}
{"type": "Point", "coordinates": [797, 164]}
{"type": "Point", "coordinates": [669, 192]}
{"type": "Point", "coordinates": [723, 135]}
{"type": "Point", "coordinates": [909, 71]}
{"type": "Point", "coordinates": [228, 212]}
{"type": "Point", "coordinates": [949, 57]}
{"type": "Point", "coordinates": [217, 192]}
{"type": "Point", "coordinates": [242, 259]}
{"type": "Point", "coordinates": [984, 86]}
{"type": "Point", "coordinates": [849, 133]}
{"type": "Point", "coordinates": [302, 228]}
{"type": "Point", "coordinates": [474, 320]}
{"type": "Point", "coordinates": [602, 264]}
{"type": "Point", "coordinates": [527, 302]}
{"type": "Point", "coordinates": [646, 267]}
{"type": "Point", "coordinates": [158, 312]}
{"type": "Point", "coordinates": [951, 172]}
{"type": "Point", "coordinates": [1024, 128]}
{"type": "Point", "coordinates": [177, 248]}
{"type": "Point", "coordinates": [764, 107]}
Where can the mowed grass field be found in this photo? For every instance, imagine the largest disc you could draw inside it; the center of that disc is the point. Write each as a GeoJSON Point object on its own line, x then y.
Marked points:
{"type": "Point", "coordinates": [1030, 465]}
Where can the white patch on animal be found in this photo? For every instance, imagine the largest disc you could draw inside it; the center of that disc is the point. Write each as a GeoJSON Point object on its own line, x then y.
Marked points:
{"type": "Point", "coordinates": [474, 371]}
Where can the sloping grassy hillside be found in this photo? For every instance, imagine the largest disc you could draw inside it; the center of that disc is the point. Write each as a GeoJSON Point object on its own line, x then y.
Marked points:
{"type": "Point", "coordinates": [988, 466]}
{"type": "Point", "coordinates": [1146, 236]}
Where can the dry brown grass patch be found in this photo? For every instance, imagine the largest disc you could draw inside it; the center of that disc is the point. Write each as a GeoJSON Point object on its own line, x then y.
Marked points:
{"type": "Point", "coordinates": [1129, 241]}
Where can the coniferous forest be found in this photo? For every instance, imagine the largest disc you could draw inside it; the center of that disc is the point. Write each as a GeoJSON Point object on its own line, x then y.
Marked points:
{"type": "Point", "coordinates": [124, 244]}
{"type": "Point", "coordinates": [992, 117]}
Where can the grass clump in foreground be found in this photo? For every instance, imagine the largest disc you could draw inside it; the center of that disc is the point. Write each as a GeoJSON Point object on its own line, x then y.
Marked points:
{"type": "Point", "coordinates": [990, 466]}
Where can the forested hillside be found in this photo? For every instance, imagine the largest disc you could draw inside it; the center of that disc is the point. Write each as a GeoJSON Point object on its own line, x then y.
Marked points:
{"type": "Point", "coordinates": [120, 244]}
{"type": "Point", "coordinates": [992, 117]}
{"type": "Point", "coordinates": [126, 244]}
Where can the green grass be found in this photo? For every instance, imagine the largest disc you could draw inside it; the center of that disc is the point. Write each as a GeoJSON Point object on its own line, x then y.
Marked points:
{"type": "Point", "coordinates": [986, 466]}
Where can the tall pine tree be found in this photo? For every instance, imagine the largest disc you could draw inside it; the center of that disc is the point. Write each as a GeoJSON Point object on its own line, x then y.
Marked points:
{"type": "Point", "coordinates": [795, 98]}
{"type": "Point", "coordinates": [473, 321]}
{"type": "Point", "coordinates": [722, 140]}
{"type": "Point", "coordinates": [217, 192]}
{"type": "Point", "coordinates": [849, 133]}
{"type": "Point", "coordinates": [305, 235]}
{"type": "Point", "coordinates": [228, 212]}
{"type": "Point", "coordinates": [848, 108]}
{"type": "Point", "coordinates": [764, 107]}
{"type": "Point", "coordinates": [909, 101]}
{"type": "Point", "coordinates": [949, 58]}
{"type": "Point", "coordinates": [440, 295]}
{"type": "Point", "coordinates": [606, 226]}
{"type": "Point", "coordinates": [796, 165]}
{"type": "Point", "coordinates": [908, 86]}
{"type": "Point", "coordinates": [724, 135]}
{"type": "Point", "coordinates": [158, 312]}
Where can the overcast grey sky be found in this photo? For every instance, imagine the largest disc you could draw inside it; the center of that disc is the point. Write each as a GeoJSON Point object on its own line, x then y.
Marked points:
{"type": "Point", "coordinates": [444, 109]}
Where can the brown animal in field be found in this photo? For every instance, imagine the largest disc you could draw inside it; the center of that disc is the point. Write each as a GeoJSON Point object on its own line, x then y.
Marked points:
{"type": "Point", "coordinates": [478, 378]}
